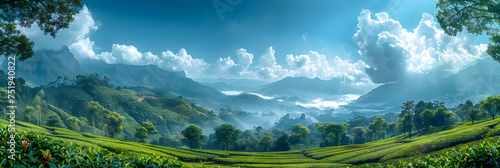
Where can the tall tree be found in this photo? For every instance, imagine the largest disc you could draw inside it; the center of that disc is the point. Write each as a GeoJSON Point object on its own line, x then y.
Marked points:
{"type": "Point", "coordinates": [321, 130]}
{"type": "Point", "coordinates": [378, 124]}
{"type": "Point", "coordinates": [408, 108]}
{"type": "Point", "coordinates": [115, 123]}
{"type": "Point", "coordinates": [359, 134]}
{"type": "Point", "coordinates": [226, 134]}
{"type": "Point", "coordinates": [266, 142]}
{"type": "Point", "coordinates": [53, 120]}
{"type": "Point", "coordinates": [477, 16]}
{"type": "Point", "coordinates": [39, 104]}
{"type": "Point", "coordinates": [491, 104]}
{"type": "Point", "coordinates": [426, 117]}
{"type": "Point", "coordinates": [193, 133]}
{"type": "Point", "coordinates": [28, 112]}
{"type": "Point", "coordinates": [441, 115]}
{"type": "Point", "coordinates": [150, 127]}
{"type": "Point", "coordinates": [474, 113]}
{"type": "Point", "coordinates": [282, 144]}
{"type": "Point", "coordinates": [142, 134]}
{"type": "Point", "coordinates": [336, 130]}
{"type": "Point", "coordinates": [302, 131]}
{"type": "Point", "coordinates": [73, 123]}
{"type": "Point", "coordinates": [392, 128]}
{"type": "Point", "coordinates": [294, 140]}
{"type": "Point", "coordinates": [49, 15]}
{"type": "Point", "coordinates": [94, 108]}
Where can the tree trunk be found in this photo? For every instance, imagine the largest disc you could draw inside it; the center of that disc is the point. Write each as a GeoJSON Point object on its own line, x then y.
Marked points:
{"type": "Point", "coordinates": [93, 122]}
{"type": "Point", "coordinates": [114, 133]}
{"type": "Point", "coordinates": [323, 141]}
{"type": "Point", "coordinates": [190, 144]}
{"type": "Point", "coordinates": [305, 139]}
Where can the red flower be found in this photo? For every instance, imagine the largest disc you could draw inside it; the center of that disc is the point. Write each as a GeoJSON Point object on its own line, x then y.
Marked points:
{"type": "Point", "coordinates": [47, 158]}
{"type": "Point", "coordinates": [25, 143]}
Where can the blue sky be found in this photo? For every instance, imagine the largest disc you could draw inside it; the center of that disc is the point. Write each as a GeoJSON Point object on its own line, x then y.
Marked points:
{"type": "Point", "coordinates": [362, 41]}
{"type": "Point", "coordinates": [157, 26]}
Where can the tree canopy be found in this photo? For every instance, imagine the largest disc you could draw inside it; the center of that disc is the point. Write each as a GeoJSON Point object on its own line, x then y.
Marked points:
{"type": "Point", "coordinates": [476, 16]}
{"type": "Point", "coordinates": [193, 133]}
{"type": "Point", "coordinates": [49, 15]}
{"type": "Point", "coordinates": [226, 134]}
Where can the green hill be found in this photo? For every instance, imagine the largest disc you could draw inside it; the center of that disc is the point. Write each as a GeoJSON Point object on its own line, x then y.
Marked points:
{"type": "Point", "coordinates": [472, 143]}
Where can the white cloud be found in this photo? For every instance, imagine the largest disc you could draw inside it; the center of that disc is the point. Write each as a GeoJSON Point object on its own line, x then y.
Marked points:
{"type": "Point", "coordinates": [182, 61]}
{"type": "Point", "coordinates": [268, 68]}
{"type": "Point", "coordinates": [75, 37]}
{"type": "Point", "coordinates": [393, 52]}
{"type": "Point", "coordinates": [314, 64]}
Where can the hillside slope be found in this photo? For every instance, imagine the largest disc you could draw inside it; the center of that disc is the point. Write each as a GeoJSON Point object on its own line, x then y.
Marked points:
{"type": "Point", "coordinates": [438, 141]}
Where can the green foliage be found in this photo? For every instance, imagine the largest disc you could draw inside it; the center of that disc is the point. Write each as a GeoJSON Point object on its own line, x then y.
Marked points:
{"type": "Point", "coordinates": [73, 123]}
{"type": "Point", "coordinates": [194, 134]}
{"type": "Point", "coordinates": [491, 104]}
{"type": "Point", "coordinates": [28, 112]}
{"type": "Point", "coordinates": [476, 16]}
{"type": "Point", "coordinates": [474, 113]}
{"type": "Point", "coordinates": [53, 120]}
{"type": "Point", "coordinates": [142, 134]}
{"type": "Point", "coordinates": [359, 134]}
{"type": "Point", "coordinates": [115, 123]}
{"type": "Point", "coordinates": [50, 16]}
{"type": "Point", "coordinates": [281, 144]}
{"type": "Point", "coordinates": [266, 142]}
{"type": "Point", "coordinates": [226, 134]}
{"type": "Point", "coordinates": [37, 150]}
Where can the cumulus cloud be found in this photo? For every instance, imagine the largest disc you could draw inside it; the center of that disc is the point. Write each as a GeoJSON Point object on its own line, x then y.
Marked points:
{"type": "Point", "coordinates": [75, 37]}
{"type": "Point", "coordinates": [268, 68]}
{"type": "Point", "coordinates": [393, 52]}
{"type": "Point", "coordinates": [314, 64]}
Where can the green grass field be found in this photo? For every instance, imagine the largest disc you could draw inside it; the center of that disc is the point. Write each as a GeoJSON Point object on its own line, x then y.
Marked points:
{"type": "Point", "coordinates": [436, 142]}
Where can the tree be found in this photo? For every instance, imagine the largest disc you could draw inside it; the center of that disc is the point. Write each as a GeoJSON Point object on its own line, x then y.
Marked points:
{"type": "Point", "coordinates": [426, 117]}
{"type": "Point", "coordinates": [142, 134]}
{"type": "Point", "coordinates": [321, 130]}
{"type": "Point", "coordinates": [477, 16]}
{"type": "Point", "coordinates": [28, 112]}
{"type": "Point", "coordinates": [359, 134]}
{"type": "Point", "coordinates": [94, 108]}
{"type": "Point", "coordinates": [193, 133]}
{"type": "Point", "coordinates": [474, 113]}
{"type": "Point", "coordinates": [336, 130]}
{"type": "Point", "coordinates": [441, 115]}
{"type": "Point", "coordinates": [266, 142]}
{"type": "Point", "coordinates": [115, 123]}
{"type": "Point", "coordinates": [408, 108]}
{"type": "Point", "coordinates": [53, 120]}
{"type": "Point", "coordinates": [39, 104]}
{"type": "Point", "coordinates": [73, 123]}
{"type": "Point", "coordinates": [294, 140]}
{"type": "Point", "coordinates": [150, 127]}
{"type": "Point", "coordinates": [4, 101]}
{"type": "Point", "coordinates": [83, 122]}
{"type": "Point", "coordinates": [226, 134]}
{"type": "Point", "coordinates": [302, 131]}
{"type": "Point", "coordinates": [378, 124]}
{"type": "Point", "coordinates": [282, 144]}
{"type": "Point", "coordinates": [392, 128]}
{"type": "Point", "coordinates": [491, 104]}
{"type": "Point", "coordinates": [50, 16]}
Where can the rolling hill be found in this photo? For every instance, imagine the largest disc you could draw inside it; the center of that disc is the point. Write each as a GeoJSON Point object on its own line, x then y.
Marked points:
{"type": "Point", "coordinates": [445, 146]}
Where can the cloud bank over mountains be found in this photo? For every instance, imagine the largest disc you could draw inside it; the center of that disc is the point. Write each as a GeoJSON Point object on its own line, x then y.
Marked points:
{"type": "Point", "coordinates": [389, 52]}
{"type": "Point", "coordinates": [393, 52]}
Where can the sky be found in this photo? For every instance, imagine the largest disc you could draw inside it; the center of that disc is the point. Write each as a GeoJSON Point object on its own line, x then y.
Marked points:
{"type": "Point", "coordinates": [362, 41]}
